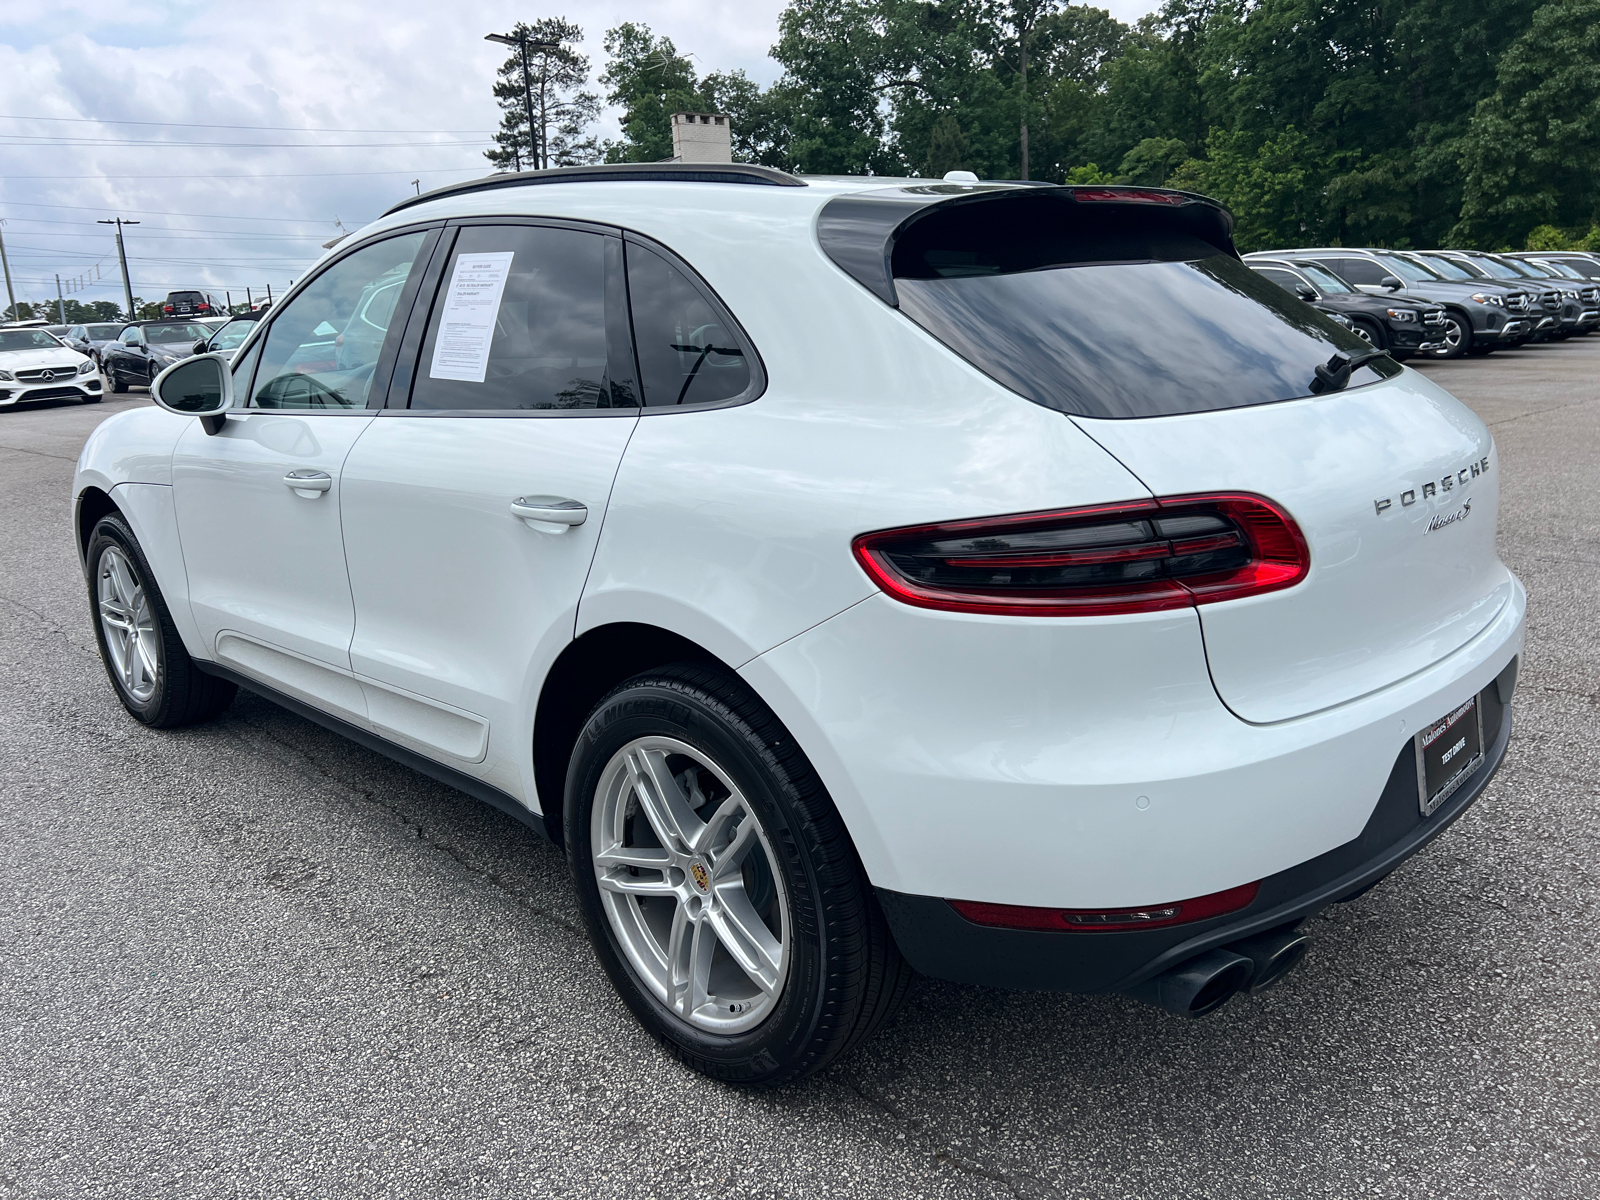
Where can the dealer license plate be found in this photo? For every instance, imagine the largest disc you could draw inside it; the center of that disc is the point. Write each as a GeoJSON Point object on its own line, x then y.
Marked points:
{"type": "Point", "coordinates": [1448, 751]}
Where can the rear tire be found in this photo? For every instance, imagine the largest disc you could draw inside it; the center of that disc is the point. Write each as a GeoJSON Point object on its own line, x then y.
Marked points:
{"type": "Point", "coordinates": [766, 852]}
{"type": "Point", "coordinates": [144, 657]}
{"type": "Point", "coordinates": [117, 384]}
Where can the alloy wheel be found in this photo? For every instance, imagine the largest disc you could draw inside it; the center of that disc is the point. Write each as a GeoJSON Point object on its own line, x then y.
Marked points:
{"type": "Point", "coordinates": [690, 885]}
{"type": "Point", "coordinates": [129, 625]}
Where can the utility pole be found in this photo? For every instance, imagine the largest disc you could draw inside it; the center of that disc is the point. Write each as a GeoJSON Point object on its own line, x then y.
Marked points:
{"type": "Point", "coordinates": [535, 130]}
{"type": "Point", "coordinates": [122, 257]}
{"type": "Point", "coordinates": [10, 295]}
{"type": "Point", "coordinates": [417, 183]}
{"type": "Point", "coordinates": [61, 304]}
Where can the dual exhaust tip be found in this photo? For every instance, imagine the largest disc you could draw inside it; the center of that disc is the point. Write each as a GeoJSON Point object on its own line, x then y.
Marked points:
{"type": "Point", "coordinates": [1206, 982]}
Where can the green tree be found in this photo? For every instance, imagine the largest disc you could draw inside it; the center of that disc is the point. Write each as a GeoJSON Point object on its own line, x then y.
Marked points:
{"type": "Point", "coordinates": [1153, 161]}
{"type": "Point", "coordinates": [1532, 153]}
{"type": "Point", "coordinates": [562, 111]}
{"type": "Point", "coordinates": [649, 80]}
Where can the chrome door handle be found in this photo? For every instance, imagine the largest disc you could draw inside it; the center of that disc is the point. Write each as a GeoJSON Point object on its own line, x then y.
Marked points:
{"type": "Point", "coordinates": [309, 484]}
{"type": "Point", "coordinates": [553, 514]}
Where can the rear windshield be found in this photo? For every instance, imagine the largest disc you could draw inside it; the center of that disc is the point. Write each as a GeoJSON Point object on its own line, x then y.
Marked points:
{"type": "Point", "coordinates": [184, 297]}
{"type": "Point", "coordinates": [1113, 311]}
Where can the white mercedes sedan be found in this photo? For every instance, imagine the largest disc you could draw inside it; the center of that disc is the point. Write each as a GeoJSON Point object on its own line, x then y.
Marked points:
{"type": "Point", "coordinates": [37, 365]}
{"type": "Point", "coordinates": [855, 577]}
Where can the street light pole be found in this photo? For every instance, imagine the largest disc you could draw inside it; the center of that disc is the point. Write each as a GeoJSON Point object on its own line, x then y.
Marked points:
{"type": "Point", "coordinates": [11, 296]}
{"type": "Point", "coordinates": [61, 304]}
{"type": "Point", "coordinates": [122, 257]}
{"type": "Point", "coordinates": [535, 133]}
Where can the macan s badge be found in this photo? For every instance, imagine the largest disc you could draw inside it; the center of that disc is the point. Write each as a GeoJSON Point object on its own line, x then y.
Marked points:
{"type": "Point", "coordinates": [1431, 489]}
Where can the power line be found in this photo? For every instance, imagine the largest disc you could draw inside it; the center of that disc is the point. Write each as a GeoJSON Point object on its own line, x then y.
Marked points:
{"type": "Point", "coordinates": [290, 175]}
{"type": "Point", "coordinates": [147, 212]}
{"type": "Point", "coordinates": [198, 125]}
{"type": "Point", "coordinates": [24, 141]}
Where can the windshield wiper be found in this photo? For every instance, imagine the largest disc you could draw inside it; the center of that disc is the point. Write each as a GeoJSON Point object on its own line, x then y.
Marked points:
{"type": "Point", "coordinates": [1334, 375]}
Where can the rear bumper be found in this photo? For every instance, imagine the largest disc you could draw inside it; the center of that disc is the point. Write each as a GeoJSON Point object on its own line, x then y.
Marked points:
{"type": "Point", "coordinates": [939, 942]}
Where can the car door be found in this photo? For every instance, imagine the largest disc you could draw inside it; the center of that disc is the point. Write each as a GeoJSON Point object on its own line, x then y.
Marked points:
{"type": "Point", "coordinates": [473, 504]}
{"type": "Point", "coordinates": [123, 356]}
{"type": "Point", "coordinates": [258, 502]}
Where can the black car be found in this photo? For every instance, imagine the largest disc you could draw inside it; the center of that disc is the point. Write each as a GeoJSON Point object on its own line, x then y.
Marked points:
{"type": "Point", "coordinates": [192, 304]}
{"type": "Point", "coordinates": [144, 350]}
{"type": "Point", "coordinates": [92, 339]}
{"type": "Point", "coordinates": [1402, 327]}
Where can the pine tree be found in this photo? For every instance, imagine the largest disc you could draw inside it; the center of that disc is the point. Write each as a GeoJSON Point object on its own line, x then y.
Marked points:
{"type": "Point", "coordinates": [562, 111]}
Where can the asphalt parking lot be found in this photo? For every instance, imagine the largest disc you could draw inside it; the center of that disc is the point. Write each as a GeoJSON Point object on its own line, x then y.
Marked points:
{"type": "Point", "coordinates": [253, 959]}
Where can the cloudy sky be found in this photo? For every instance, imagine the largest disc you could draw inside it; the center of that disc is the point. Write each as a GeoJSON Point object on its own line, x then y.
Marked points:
{"type": "Point", "coordinates": [239, 134]}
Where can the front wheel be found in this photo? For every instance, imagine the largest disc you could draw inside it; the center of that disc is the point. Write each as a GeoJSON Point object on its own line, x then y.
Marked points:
{"type": "Point", "coordinates": [152, 673]}
{"type": "Point", "coordinates": [719, 886]}
{"type": "Point", "coordinates": [1457, 336]}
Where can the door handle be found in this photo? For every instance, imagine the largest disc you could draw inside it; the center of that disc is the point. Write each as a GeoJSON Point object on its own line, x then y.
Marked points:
{"type": "Point", "coordinates": [309, 484]}
{"type": "Point", "coordinates": [549, 514]}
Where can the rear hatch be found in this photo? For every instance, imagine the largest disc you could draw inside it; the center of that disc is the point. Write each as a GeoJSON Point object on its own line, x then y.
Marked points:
{"type": "Point", "coordinates": [1128, 311]}
{"type": "Point", "coordinates": [1396, 490]}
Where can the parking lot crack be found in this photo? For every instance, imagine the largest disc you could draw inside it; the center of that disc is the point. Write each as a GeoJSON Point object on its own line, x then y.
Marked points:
{"type": "Point", "coordinates": [301, 761]}
{"type": "Point", "coordinates": [939, 1147]}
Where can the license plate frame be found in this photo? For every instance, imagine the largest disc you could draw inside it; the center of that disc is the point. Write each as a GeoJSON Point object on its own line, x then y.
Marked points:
{"type": "Point", "coordinates": [1444, 763]}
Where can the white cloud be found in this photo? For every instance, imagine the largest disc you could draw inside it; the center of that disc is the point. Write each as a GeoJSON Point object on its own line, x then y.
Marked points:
{"type": "Point", "coordinates": [257, 214]}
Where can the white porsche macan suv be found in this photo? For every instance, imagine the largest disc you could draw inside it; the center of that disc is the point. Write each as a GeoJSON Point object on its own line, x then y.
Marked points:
{"type": "Point", "coordinates": [855, 577]}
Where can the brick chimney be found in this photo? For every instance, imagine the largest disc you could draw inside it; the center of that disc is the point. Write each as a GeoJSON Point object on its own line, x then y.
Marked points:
{"type": "Point", "coordinates": [702, 137]}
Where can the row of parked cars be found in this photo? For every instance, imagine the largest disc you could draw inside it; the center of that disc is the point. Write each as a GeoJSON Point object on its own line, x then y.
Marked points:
{"type": "Point", "coordinates": [40, 361]}
{"type": "Point", "coordinates": [1443, 303]}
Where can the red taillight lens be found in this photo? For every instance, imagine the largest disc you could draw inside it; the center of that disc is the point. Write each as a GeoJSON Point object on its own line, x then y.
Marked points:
{"type": "Point", "coordinates": [1142, 556]}
{"type": "Point", "coordinates": [166, 308]}
{"type": "Point", "coordinates": [1128, 196]}
{"type": "Point", "coordinates": [1107, 920]}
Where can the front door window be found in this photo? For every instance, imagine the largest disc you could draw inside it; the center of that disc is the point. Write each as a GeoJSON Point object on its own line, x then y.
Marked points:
{"type": "Point", "coordinates": [323, 347]}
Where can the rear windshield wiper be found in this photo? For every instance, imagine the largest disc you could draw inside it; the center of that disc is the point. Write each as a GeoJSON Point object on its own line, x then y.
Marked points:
{"type": "Point", "coordinates": [1334, 375]}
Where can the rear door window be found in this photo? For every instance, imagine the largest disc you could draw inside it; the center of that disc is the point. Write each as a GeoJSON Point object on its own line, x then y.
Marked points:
{"type": "Point", "coordinates": [1104, 312]}
{"type": "Point", "coordinates": [519, 323]}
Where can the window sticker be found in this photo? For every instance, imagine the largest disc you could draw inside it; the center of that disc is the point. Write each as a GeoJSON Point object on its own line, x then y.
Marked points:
{"type": "Point", "coordinates": [466, 326]}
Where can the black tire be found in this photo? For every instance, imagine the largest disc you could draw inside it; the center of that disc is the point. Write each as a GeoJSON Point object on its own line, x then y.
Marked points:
{"type": "Point", "coordinates": [1457, 336]}
{"type": "Point", "coordinates": [845, 976]}
{"type": "Point", "coordinates": [118, 385]}
{"type": "Point", "coordinates": [1369, 331]}
{"type": "Point", "coordinates": [183, 694]}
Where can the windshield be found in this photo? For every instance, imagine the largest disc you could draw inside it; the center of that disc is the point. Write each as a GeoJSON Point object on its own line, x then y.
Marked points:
{"type": "Point", "coordinates": [1411, 272]}
{"type": "Point", "coordinates": [1450, 269]}
{"type": "Point", "coordinates": [168, 335]}
{"type": "Point", "coordinates": [102, 333]}
{"type": "Point", "coordinates": [1558, 268]}
{"type": "Point", "coordinates": [232, 336]}
{"type": "Point", "coordinates": [1493, 269]}
{"type": "Point", "coordinates": [1325, 280]}
{"type": "Point", "coordinates": [27, 339]}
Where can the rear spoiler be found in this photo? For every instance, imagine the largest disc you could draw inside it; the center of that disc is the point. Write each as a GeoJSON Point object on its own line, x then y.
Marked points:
{"type": "Point", "coordinates": [858, 231]}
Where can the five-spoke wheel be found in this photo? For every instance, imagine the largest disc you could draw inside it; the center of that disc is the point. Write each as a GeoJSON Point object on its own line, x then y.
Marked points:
{"type": "Point", "coordinates": [132, 641]}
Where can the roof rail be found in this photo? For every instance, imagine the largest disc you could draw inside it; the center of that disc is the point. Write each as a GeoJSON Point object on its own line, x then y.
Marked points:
{"type": "Point", "coordinates": [609, 172]}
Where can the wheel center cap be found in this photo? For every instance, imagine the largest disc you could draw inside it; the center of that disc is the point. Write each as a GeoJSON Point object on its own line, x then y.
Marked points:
{"type": "Point", "coordinates": [701, 877]}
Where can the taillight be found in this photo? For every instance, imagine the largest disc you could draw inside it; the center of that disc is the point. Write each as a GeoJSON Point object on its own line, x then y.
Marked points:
{"type": "Point", "coordinates": [1142, 556]}
{"type": "Point", "coordinates": [166, 308]}
{"type": "Point", "coordinates": [1106, 920]}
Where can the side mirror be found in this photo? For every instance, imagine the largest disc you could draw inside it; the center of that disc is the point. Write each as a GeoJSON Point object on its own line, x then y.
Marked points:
{"type": "Point", "coordinates": [196, 387]}
{"type": "Point", "coordinates": [1305, 292]}
{"type": "Point", "coordinates": [199, 347]}
{"type": "Point", "coordinates": [1390, 282]}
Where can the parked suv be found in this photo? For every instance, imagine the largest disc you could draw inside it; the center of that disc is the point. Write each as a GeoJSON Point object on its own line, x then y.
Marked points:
{"type": "Point", "coordinates": [1579, 298]}
{"type": "Point", "coordinates": [192, 304]}
{"type": "Point", "coordinates": [1548, 297]}
{"type": "Point", "coordinates": [1402, 327]}
{"type": "Point", "coordinates": [1478, 315]}
{"type": "Point", "coordinates": [839, 571]}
